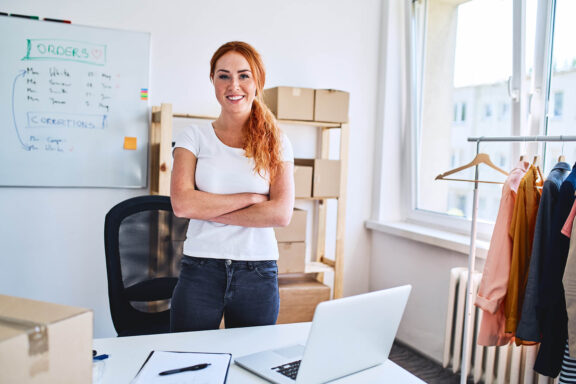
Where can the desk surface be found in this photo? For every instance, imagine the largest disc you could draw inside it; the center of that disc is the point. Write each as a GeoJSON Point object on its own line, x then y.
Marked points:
{"type": "Point", "coordinates": [128, 353]}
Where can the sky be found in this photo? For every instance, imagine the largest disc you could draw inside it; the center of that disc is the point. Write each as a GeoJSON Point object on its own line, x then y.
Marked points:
{"type": "Point", "coordinates": [486, 57]}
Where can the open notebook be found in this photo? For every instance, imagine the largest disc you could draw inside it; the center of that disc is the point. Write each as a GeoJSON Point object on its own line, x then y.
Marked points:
{"type": "Point", "coordinates": [161, 361]}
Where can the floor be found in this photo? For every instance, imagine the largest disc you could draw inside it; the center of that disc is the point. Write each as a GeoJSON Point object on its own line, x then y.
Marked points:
{"type": "Point", "coordinates": [426, 369]}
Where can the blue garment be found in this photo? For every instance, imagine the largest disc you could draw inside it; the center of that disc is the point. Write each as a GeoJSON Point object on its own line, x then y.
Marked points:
{"type": "Point", "coordinates": [529, 324]}
{"type": "Point", "coordinates": [551, 301]}
{"type": "Point", "coordinates": [245, 292]}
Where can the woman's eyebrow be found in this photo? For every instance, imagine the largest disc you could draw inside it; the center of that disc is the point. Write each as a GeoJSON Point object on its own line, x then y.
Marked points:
{"type": "Point", "coordinates": [240, 71]}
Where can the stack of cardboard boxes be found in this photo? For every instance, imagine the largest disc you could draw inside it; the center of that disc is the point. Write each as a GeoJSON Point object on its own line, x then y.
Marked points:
{"type": "Point", "coordinates": [292, 244]}
{"type": "Point", "coordinates": [324, 105]}
{"type": "Point", "coordinates": [313, 178]}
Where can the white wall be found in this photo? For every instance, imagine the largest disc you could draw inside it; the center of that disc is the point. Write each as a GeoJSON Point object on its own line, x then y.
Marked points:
{"type": "Point", "coordinates": [397, 260]}
{"type": "Point", "coordinates": [427, 269]}
{"type": "Point", "coordinates": [52, 238]}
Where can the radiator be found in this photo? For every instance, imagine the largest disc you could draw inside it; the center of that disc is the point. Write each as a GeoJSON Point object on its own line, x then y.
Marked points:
{"type": "Point", "coordinates": [508, 364]}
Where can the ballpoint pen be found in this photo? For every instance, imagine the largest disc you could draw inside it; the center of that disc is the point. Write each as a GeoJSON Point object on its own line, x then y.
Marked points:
{"type": "Point", "coordinates": [196, 367]}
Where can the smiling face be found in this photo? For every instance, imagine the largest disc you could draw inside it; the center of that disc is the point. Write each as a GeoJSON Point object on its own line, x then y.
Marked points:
{"type": "Point", "coordinates": [234, 83]}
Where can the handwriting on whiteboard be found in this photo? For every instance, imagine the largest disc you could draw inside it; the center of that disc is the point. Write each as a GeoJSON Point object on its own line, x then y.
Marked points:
{"type": "Point", "coordinates": [62, 86]}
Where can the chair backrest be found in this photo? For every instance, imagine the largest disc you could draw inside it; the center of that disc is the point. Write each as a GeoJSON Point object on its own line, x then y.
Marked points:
{"type": "Point", "coordinates": [144, 243]}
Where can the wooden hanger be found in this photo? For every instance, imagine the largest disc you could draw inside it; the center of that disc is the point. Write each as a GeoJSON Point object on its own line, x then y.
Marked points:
{"type": "Point", "coordinates": [535, 163]}
{"type": "Point", "coordinates": [481, 158]}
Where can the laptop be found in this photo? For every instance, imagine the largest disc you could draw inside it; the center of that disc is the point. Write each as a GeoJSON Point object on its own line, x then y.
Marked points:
{"type": "Point", "coordinates": [347, 335]}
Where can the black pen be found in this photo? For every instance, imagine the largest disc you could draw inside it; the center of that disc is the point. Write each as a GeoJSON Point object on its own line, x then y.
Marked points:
{"type": "Point", "coordinates": [196, 367]}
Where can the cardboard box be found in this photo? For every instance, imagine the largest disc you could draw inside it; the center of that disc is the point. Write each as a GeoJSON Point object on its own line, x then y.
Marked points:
{"type": "Point", "coordinates": [292, 257]}
{"type": "Point", "coordinates": [299, 297]}
{"type": "Point", "coordinates": [302, 181]}
{"type": "Point", "coordinates": [290, 103]}
{"type": "Point", "coordinates": [295, 231]}
{"type": "Point", "coordinates": [331, 105]}
{"type": "Point", "coordinates": [325, 176]}
{"type": "Point", "coordinates": [44, 343]}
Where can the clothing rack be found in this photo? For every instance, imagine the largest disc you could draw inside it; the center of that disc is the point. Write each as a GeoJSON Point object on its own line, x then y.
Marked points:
{"type": "Point", "coordinates": [472, 252]}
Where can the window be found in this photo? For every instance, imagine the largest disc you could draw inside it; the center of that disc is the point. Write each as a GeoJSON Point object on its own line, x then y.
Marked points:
{"type": "Point", "coordinates": [487, 111]}
{"type": "Point", "coordinates": [504, 111]}
{"type": "Point", "coordinates": [562, 85]}
{"type": "Point", "coordinates": [558, 103]}
{"type": "Point", "coordinates": [460, 69]}
{"type": "Point", "coordinates": [478, 81]}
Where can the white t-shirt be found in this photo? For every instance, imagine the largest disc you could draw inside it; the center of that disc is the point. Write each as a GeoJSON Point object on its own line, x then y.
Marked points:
{"type": "Point", "coordinates": [226, 170]}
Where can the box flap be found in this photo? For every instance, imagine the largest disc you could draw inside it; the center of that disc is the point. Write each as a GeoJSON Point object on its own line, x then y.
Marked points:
{"type": "Point", "coordinates": [31, 312]}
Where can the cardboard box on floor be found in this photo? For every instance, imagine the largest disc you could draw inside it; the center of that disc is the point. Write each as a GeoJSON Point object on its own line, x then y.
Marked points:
{"type": "Point", "coordinates": [331, 105]}
{"type": "Point", "coordinates": [299, 297]}
{"type": "Point", "coordinates": [290, 103]}
{"type": "Point", "coordinates": [292, 257]}
{"type": "Point", "coordinates": [302, 181]}
{"type": "Point", "coordinates": [325, 176]}
{"type": "Point", "coordinates": [295, 230]}
{"type": "Point", "coordinates": [44, 343]}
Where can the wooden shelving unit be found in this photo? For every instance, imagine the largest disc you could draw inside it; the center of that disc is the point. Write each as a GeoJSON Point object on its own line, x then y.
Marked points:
{"type": "Point", "coordinates": [160, 166]}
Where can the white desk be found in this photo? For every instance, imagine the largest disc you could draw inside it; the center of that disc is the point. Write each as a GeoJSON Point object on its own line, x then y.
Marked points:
{"type": "Point", "coordinates": [128, 353]}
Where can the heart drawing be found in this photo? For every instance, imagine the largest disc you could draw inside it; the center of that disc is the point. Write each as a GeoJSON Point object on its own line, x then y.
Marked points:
{"type": "Point", "coordinates": [96, 53]}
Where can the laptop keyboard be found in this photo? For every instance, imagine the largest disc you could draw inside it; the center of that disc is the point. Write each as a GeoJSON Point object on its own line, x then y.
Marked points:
{"type": "Point", "coordinates": [289, 370]}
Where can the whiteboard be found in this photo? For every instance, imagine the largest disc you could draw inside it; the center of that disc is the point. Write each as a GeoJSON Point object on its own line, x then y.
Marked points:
{"type": "Point", "coordinates": [73, 105]}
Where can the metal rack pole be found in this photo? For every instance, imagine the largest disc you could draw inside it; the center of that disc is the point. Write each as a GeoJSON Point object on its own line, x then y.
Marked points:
{"type": "Point", "coordinates": [472, 252]}
{"type": "Point", "coordinates": [522, 138]}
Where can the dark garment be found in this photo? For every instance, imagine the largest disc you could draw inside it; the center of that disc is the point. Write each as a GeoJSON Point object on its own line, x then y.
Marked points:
{"type": "Point", "coordinates": [551, 301]}
{"type": "Point", "coordinates": [529, 325]}
{"type": "Point", "coordinates": [245, 292]}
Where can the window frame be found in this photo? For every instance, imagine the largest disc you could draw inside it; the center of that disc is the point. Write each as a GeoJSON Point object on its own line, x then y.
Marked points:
{"type": "Point", "coordinates": [528, 111]}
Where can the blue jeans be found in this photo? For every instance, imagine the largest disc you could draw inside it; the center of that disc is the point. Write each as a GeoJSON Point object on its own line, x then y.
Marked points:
{"type": "Point", "coordinates": [245, 292]}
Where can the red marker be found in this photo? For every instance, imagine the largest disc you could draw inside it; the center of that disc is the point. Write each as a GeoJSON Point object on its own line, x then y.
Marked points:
{"type": "Point", "coordinates": [57, 20]}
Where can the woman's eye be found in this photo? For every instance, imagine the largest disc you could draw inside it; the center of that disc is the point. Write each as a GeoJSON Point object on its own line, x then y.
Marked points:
{"type": "Point", "coordinates": [244, 76]}
{"type": "Point", "coordinates": [223, 77]}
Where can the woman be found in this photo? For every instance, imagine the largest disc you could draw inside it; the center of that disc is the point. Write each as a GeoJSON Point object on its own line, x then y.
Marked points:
{"type": "Point", "coordinates": [233, 178]}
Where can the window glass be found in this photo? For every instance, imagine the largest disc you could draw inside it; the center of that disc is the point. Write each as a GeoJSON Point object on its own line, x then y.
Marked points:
{"type": "Point", "coordinates": [464, 94]}
{"type": "Point", "coordinates": [562, 96]}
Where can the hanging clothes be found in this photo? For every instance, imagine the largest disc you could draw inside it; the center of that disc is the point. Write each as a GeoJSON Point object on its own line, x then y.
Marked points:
{"type": "Point", "coordinates": [522, 229]}
{"type": "Point", "coordinates": [529, 324]}
{"type": "Point", "coordinates": [551, 299]}
{"type": "Point", "coordinates": [494, 283]}
{"type": "Point", "coordinates": [567, 228]}
{"type": "Point", "coordinates": [569, 282]}
{"type": "Point", "coordinates": [568, 372]}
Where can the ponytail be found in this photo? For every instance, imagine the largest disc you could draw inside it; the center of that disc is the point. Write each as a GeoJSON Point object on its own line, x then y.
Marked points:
{"type": "Point", "coordinates": [262, 139]}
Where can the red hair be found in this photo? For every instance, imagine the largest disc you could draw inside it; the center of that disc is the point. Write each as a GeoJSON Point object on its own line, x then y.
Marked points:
{"type": "Point", "coordinates": [261, 134]}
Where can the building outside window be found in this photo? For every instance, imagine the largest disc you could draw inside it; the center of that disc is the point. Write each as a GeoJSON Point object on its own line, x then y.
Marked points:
{"type": "Point", "coordinates": [558, 103]}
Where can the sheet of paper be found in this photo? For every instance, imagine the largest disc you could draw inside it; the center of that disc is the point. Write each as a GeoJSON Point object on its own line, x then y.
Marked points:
{"type": "Point", "coordinates": [160, 361]}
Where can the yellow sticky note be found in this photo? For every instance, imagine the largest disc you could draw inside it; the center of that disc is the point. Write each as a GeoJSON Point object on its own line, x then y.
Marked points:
{"type": "Point", "coordinates": [129, 142]}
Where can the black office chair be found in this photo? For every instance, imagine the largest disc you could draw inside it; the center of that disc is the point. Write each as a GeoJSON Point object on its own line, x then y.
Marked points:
{"type": "Point", "coordinates": [143, 242]}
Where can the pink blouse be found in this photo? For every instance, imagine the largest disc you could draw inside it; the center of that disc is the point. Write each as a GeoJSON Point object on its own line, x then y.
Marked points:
{"type": "Point", "coordinates": [567, 228]}
{"type": "Point", "coordinates": [494, 283]}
